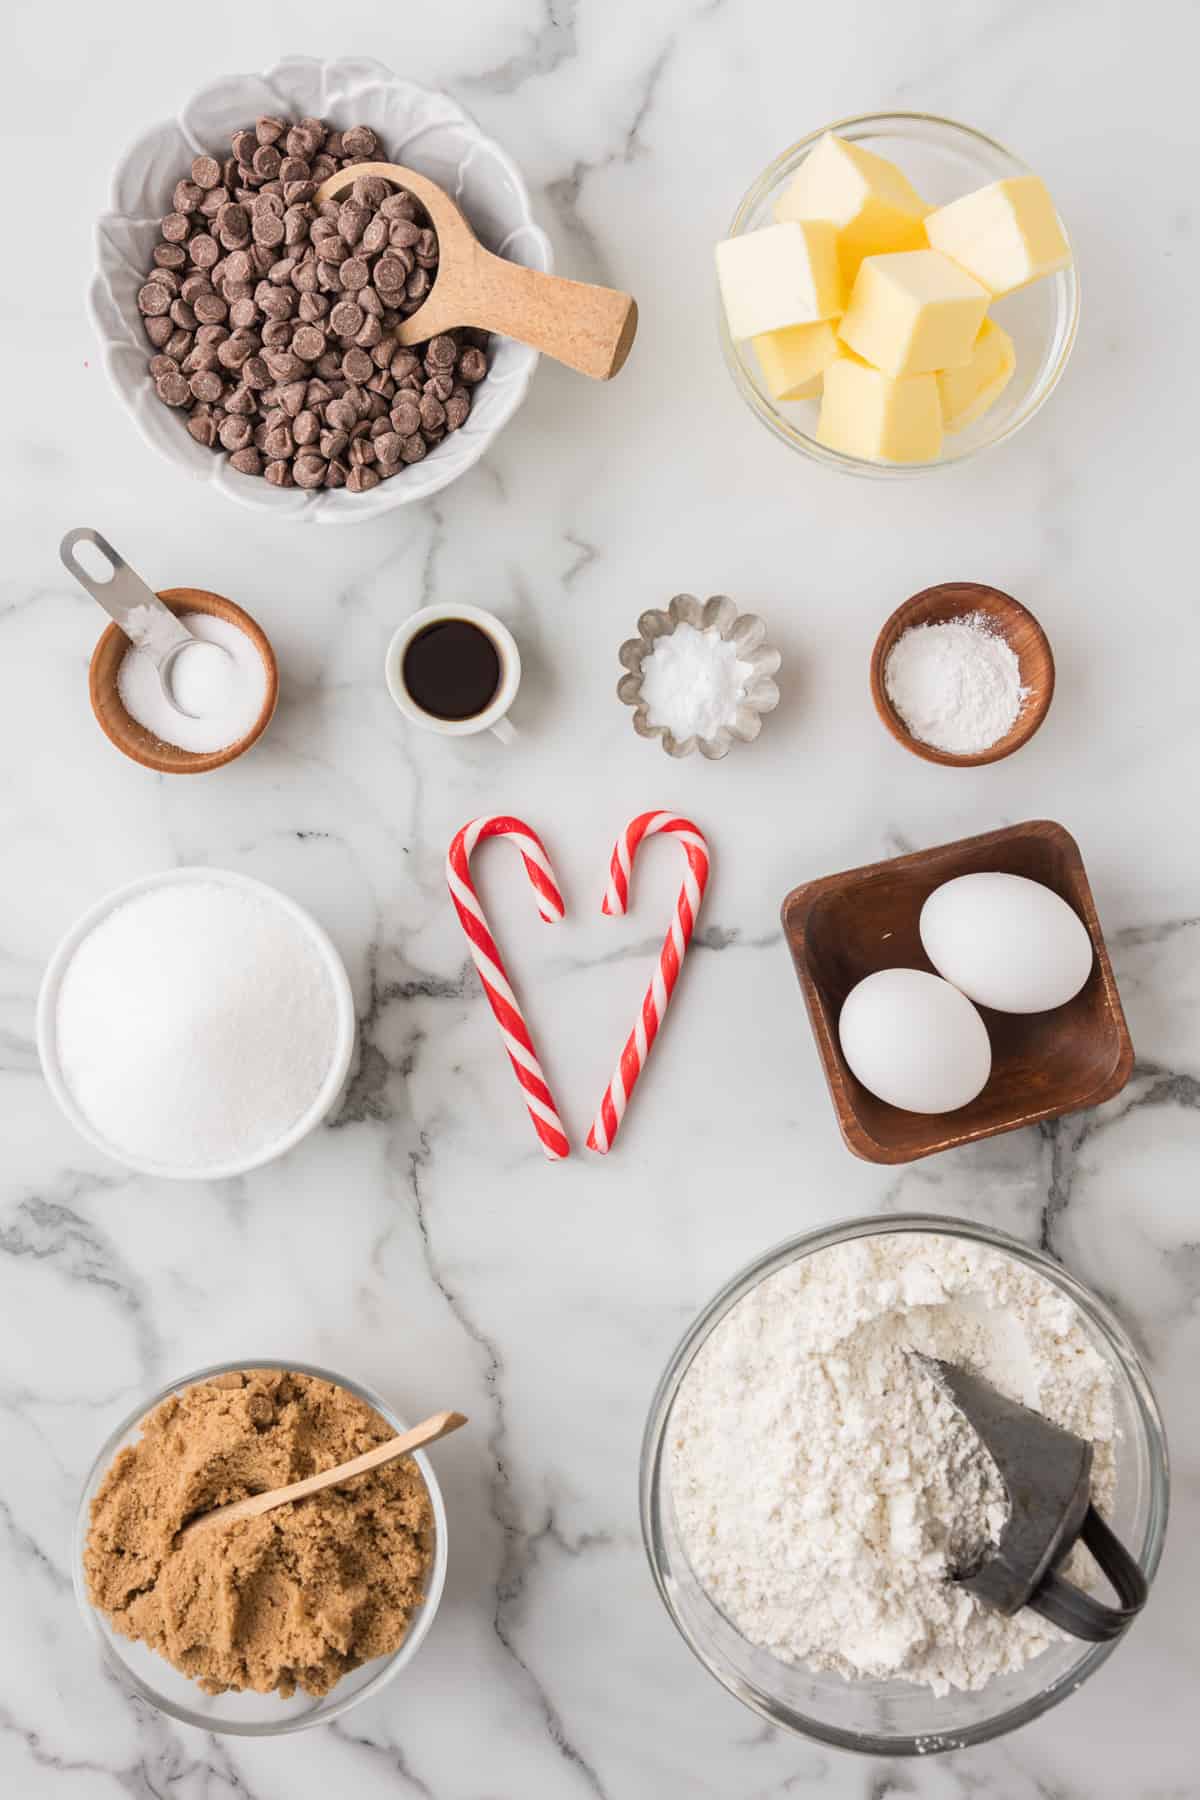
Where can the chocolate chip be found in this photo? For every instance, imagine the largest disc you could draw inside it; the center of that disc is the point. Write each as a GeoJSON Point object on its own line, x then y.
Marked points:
{"type": "Point", "coordinates": [170, 256]}
{"type": "Point", "coordinates": [472, 365]}
{"type": "Point", "coordinates": [360, 140]}
{"type": "Point", "coordinates": [268, 230]}
{"type": "Point", "coordinates": [269, 130]}
{"type": "Point", "coordinates": [309, 471]}
{"type": "Point", "coordinates": [173, 389]}
{"type": "Point", "coordinates": [457, 408]}
{"type": "Point", "coordinates": [390, 277]}
{"type": "Point", "coordinates": [247, 461]}
{"type": "Point", "coordinates": [153, 300]}
{"type": "Point", "coordinates": [203, 428]}
{"type": "Point", "coordinates": [235, 433]}
{"type": "Point", "coordinates": [210, 309]}
{"type": "Point", "coordinates": [406, 414]}
{"type": "Point", "coordinates": [206, 385]}
{"type": "Point", "coordinates": [413, 448]}
{"type": "Point", "coordinates": [158, 330]}
{"type": "Point", "coordinates": [206, 172]}
{"type": "Point", "coordinates": [187, 196]}
{"type": "Point", "coordinates": [433, 414]}
{"type": "Point", "coordinates": [441, 354]}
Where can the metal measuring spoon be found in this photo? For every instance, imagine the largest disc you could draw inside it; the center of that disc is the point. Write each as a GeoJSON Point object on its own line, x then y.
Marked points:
{"type": "Point", "coordinates": [150, 626]}
{"type": "Point", "coordinates": [1046, 1472]}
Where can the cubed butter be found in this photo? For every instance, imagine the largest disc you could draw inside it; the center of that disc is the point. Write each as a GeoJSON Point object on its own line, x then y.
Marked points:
{"type": "Point", "coordinates": [967, 393]}
{"type": "Point", "coordinates": [875, 208]}
{"type": "Point", "coordinates": [867, 413]}
{"type": "Point", "coordinates": [1005, 235]}
{"type": "Point", "coordinates": [794, 360]}
{"type": "Point", "coordinates": [782, 275]}
{"type": "Point", "coordinates": [913, 312]}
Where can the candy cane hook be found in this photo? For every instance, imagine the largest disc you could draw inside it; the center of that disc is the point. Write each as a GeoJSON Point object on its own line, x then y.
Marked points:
{"type": "Point", "coordinates": [486, 955]}
{"type": "Point", "coordinates": [616, 900]}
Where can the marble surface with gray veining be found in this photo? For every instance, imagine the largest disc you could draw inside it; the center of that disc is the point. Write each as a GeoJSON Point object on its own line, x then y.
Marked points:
{"type": "Point", "coordinates": [420, 1241]}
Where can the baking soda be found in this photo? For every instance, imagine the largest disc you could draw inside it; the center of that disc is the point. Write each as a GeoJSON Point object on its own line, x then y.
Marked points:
{"type": "Point", "coordinates": [195, 1025]}
{"type": "Point", "coordinates": [693, 682]}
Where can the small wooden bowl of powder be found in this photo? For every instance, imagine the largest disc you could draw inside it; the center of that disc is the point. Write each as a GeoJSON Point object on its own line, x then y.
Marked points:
{"type": "Point", "coordinates": [962, 674]}
{"type": "Point", "coordinates": [135, 715]}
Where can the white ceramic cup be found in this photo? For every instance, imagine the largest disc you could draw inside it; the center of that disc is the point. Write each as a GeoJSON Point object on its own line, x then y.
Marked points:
{"type": "Point", "coordinates": [492, 718]}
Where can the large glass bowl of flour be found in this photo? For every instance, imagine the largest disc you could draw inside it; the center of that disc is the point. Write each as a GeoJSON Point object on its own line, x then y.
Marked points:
{"type": "Point", "coordinates": [894, 1717]}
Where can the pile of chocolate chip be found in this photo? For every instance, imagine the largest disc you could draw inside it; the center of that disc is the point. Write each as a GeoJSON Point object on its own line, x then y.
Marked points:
{"type": "Point", "coordinates": [274, 319]}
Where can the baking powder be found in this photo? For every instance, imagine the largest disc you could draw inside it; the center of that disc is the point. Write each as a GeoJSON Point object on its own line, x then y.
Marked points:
{"type": "Point", "coordinates": [824, 1485]}
{"type": "Point", "coordinates": [956, 685]}
{"type": "Point", "coordinates": [693, 682]}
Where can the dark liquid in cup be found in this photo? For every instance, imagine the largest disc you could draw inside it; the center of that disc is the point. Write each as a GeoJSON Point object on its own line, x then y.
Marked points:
{"type": "Point", "coordinates": [452, 669]}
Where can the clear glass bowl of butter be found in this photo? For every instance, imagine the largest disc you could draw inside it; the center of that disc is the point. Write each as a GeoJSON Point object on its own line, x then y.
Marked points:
{"type": "Point", "coordinates": [943, 161]}
{"type": "Point", "coordinates": [893, 1717]}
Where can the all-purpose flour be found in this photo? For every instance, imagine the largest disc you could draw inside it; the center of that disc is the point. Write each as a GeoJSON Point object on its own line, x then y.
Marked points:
{"type": "Point", "coordinates": [825, 1487]}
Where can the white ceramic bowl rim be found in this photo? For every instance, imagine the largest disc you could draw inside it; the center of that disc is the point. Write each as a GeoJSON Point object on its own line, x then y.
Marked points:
{"type": "Point", "coordinates": [331, 1087]}
{"type": "Point", "coordinates": [654, 1485]}
{"type": "Point", "coordinates": [792, 434]}
{"type": "Point", "coordinates": [391, 1665]}
{"type": "Point", "coordinates": [425, 128]}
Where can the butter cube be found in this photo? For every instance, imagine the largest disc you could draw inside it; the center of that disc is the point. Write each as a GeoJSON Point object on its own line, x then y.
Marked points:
{"type": "Point", "coordinates": [1005, 235]}
{"type": "Point", "coordinates": [781, 275]}
{"type": "Point", "coordinates": [913, 312]}
{"type": "Point", "coordinates": [794, 360]}
{"type": "Point", "coordinates": [967, 393]}
{"type": "Point", "coordinates": [874, 207]}
{"type": "Point", "coordinates": [867, 413]}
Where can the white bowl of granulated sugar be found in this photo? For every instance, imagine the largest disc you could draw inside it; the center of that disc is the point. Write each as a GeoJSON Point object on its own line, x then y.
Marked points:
{"type": "Point", "coordinates": [195, 1024]}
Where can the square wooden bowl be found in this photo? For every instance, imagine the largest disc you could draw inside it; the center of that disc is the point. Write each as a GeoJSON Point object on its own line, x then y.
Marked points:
{"type": "Point", "coordinates": [1043, 1064]}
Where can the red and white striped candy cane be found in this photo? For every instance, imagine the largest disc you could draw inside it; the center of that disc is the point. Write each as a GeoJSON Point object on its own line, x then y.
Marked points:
{"type": "Point", "coordinates": [616, 900]}
{"type": "Point", "coordinates": [486, 955]}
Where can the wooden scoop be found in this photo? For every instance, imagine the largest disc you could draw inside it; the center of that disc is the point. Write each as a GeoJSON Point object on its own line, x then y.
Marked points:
{"type": "Point", "coordinates": [439, 1426]}
{"type": "Point", "coordinates": [588, 328]}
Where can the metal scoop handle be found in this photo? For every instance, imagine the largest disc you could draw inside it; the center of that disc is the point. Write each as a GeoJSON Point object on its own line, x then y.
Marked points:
{"type": "Point", "coordinates": [126, 598]}
{"type": "Point", "coordinates": [1075, 1612]}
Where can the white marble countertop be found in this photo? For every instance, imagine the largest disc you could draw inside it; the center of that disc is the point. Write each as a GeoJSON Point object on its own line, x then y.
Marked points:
{"type": "Point", "coordinates": [422, 1243]}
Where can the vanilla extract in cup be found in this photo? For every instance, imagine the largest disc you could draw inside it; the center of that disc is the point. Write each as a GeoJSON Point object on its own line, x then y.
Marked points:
{"type": "Point", "coordinates": [454, 670]}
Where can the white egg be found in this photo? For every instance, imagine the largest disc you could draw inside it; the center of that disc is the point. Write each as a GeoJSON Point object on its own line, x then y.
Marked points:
{"type": "Point", "coordinates": [1008, 943]}
{"type": "Point", "coordinates": [915, 1041]}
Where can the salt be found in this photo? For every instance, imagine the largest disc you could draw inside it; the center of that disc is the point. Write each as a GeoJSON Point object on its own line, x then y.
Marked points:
{"type": "Point", "coordinates": [956, 685]}
{"type": "Point", "coordinates": [195, 1025]}
{"type": "Point", "coordinates": [220, 705]}
{"type": "Point", "coordinates": [693, 682]}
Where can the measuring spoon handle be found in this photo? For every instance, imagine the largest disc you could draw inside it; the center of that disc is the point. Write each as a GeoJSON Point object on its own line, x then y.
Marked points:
{"type": "Point", "coordinates": [588, 328]}
{"type": "Point", "coordinates": [126, 599]}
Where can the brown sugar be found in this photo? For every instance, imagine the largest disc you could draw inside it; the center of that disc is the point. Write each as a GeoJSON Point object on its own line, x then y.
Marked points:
{"type": "Point", "coordinates": [294, 1598]}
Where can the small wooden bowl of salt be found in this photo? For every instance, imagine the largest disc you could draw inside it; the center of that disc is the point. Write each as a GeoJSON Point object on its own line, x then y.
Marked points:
{"type": "Point", "coordinates": [962, 674]}
{"type": "Point", "coordinates": [115, 689]}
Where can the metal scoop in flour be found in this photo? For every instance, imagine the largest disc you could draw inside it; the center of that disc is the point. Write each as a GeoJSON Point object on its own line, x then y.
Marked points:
{"type": "Point", "coordinates": [1047, 1473]}
{"type": "Point", "coordinates": [154, 629]}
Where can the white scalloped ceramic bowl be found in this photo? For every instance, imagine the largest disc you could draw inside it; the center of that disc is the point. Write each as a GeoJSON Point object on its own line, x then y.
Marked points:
{"type": "Point", "coordinates": [424, 129]}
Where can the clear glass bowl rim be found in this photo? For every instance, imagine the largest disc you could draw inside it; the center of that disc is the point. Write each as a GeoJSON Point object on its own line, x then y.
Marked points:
{"type": "Point", "coordinates": [323, 1713]}
{"type": "Point", "coordinates": [653, 1483]}
{"type": "Point", "coordinates": [803, 441]}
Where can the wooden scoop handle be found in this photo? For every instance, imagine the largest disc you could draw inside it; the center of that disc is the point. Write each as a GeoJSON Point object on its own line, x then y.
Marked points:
{"type": "Point", "coordinates": [588, 328]}
{"type": "Point", "coordinates": [440, 1425]}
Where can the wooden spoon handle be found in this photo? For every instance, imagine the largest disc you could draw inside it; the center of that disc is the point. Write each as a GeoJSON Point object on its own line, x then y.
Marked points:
{"type": "Point", "coordinates": [440, 1425]}
{"type": "Point", "coordinates": [588, 328]}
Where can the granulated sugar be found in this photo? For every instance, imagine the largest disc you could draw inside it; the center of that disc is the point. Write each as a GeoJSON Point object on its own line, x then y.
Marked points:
{"type": "Point", "coordinates": [693, 682]}
{"type": "Point", "coordinates": [196, 1025]}
{"type": "Point", "coordinates": [956, 685]}
{"type": "Point", "coordinates": [824, 1485]}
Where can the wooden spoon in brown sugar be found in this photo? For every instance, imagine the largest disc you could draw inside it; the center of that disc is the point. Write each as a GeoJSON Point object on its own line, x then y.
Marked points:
{"type": "Point", "coordinates": [440, 1425]}
{"type": "Point", "coordinates": [589, 328]}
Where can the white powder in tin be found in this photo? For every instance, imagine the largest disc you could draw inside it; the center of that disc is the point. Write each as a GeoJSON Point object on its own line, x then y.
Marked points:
{"type": "Point", "coordinates": [195, 1025]}
{"type": "Point", "coordinates": [956, 685]}
{"type": "Point", "coordinates": [825, 1487]}
{"type": "Point", "coordinates": [693, 682]}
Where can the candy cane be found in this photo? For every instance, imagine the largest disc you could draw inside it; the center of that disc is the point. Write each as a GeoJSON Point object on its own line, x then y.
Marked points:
{"type": "Point", "coordinates": [616, 900]}
{"type": "Point", "coordinates": [486, 955]}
